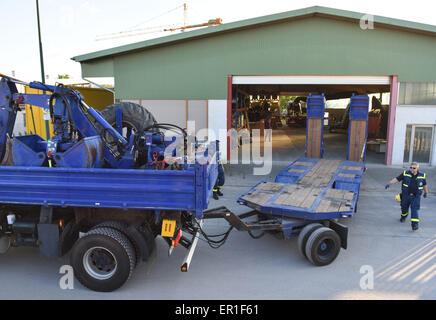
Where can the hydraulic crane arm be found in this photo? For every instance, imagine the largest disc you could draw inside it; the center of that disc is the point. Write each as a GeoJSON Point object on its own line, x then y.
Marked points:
{"type": "Point", "coordinates": [69, 113]}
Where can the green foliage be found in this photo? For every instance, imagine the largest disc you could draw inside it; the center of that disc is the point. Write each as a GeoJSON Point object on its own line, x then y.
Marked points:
{"type": "Point", "coordinates": [284, 101]}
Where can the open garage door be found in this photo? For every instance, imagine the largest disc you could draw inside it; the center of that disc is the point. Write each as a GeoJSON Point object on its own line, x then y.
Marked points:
{"type": "Point", "coordinates": [257, 102]}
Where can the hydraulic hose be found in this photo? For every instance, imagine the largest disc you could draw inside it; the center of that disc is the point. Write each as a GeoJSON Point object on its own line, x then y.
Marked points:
{"type": "Point", "coordinates": [165, 126]}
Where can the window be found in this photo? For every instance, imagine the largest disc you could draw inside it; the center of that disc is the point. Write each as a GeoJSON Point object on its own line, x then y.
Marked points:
{"type": "Point", "coordinates": [417, 93]}
{"type": "Point", "coordinates": [418, 143]}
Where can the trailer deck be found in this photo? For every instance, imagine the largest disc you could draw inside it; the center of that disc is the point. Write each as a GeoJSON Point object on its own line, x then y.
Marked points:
{"type": "Point", "coordinates": [312, 189]}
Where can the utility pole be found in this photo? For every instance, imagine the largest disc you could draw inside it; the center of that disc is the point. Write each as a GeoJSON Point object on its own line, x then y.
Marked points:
{"type": "Point", "coordinates": [40, 43]}
{"type": "Point", "coordinates": [41, 58]}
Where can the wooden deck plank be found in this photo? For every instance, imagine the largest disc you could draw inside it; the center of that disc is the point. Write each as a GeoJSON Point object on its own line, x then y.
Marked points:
{"type": "Point", "coordinates": [270, 186]}
{"type": "Point", "coordinates": [321, 173]}
{"type": "Point", "coordinates": [357, 139]}
{"type": "Point", "coordinates": [301, 196]}
{"type": "Point", "coordinates": [302, 163]}
{"type": "Point", "coordinates": [339, 194]}
{"type": "Point", "coordinates": [351, 168]}
{"type": "Point", "coordinates": [328, 206]}
{"type": "Point", "coordinates": [323, 206]}
{"type": "Point", "coordinates": [347, 175]}
{"type": "Point", "coordinates": [344, 207]}
{"type": "Point", "coordinates": [259, 198]}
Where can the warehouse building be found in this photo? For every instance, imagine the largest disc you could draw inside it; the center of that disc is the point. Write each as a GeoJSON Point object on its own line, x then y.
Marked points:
{"type": "Point", "coordinates": [212, 75]}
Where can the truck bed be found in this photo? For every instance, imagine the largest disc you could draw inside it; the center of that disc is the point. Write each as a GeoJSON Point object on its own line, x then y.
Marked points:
{"type": "Point", "coordinates": [185, 190]}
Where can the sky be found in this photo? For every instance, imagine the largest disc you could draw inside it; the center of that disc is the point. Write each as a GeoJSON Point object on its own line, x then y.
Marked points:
{"type": "Point", "coordinates": [71, 27]}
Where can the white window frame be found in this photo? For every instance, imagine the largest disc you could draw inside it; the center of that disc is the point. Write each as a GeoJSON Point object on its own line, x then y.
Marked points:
{"type": "Point", "coordinates": [412, 139]}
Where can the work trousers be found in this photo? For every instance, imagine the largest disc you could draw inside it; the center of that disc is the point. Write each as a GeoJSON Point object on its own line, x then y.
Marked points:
{"type": "Point", "coordinates": [220, 180]}
{"type": "Point", "coordinates": [412, 201]}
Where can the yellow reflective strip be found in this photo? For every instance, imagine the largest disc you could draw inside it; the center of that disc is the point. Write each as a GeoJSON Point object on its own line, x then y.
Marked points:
{"type": "Point", "coordinates": [407, 175]}
{"type": "Point", "coordinates": [420, 187]}
{"type": "Point", "coordinates": [420, 178]}
{"type": "Point", "coordinates": [404, 214]}
{"type": "Point", "coordinates": [414, 220]}
{"type": "Point", "coordinates": [405, 185]}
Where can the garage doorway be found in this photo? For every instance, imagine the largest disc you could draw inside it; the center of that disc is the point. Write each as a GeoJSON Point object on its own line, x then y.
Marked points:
{"type": "Point", "coordinates": [279, 103]}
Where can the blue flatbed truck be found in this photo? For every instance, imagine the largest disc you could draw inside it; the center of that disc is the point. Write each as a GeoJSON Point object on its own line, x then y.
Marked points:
{"type": "Point", "coordinates": [103, 189]}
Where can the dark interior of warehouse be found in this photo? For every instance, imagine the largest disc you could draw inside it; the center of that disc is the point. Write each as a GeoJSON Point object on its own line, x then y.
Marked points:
{"type": "Point", "coordinates": [282, 108]}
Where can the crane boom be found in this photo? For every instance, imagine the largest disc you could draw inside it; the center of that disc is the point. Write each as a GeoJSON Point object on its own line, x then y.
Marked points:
{"type": "Point", "coordinates": [209, 23]}
{"type": "Point", "coordinates": [164, 28]}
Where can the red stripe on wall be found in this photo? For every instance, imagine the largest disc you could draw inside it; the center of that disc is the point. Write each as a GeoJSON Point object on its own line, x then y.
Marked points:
{"type": "Point", "coordinates": [229, 112]}
{"type": "Point", "coordinates": [391, 120]}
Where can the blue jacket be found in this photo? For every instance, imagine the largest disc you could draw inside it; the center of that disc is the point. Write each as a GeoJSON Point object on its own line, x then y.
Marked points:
{"type": "Point", "coordinates": [407, 179]}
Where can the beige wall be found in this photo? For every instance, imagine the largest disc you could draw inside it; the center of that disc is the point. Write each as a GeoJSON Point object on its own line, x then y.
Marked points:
{"type": "Point", "coordinates": [177, 111]}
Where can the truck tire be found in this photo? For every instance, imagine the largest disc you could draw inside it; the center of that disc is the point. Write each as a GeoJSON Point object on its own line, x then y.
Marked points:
{"type": "Point", "coordinates": [323, 246]}
{"type": "Point", "coordinates": [304, 235]}
{"type": "Point", "coordinates": [135, 116]}
{"type": "Point", "coordinates": [103, 259]}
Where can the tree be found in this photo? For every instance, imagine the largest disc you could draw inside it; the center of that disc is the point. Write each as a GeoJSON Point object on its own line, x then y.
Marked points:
{"type": "Point", "coordinates": [284, 101]}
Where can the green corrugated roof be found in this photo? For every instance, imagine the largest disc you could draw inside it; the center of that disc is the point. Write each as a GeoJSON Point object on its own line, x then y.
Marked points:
{"type": "Point", "coordinates": [255, 22]}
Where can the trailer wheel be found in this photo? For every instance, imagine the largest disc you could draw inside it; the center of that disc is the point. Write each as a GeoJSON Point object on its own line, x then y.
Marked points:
{"type": "Point", "coordinates": [304, 235]}
{"type": "Point", "coordinates": [323, 246]}
{"type": "Point", "coordinates": [103, 259]}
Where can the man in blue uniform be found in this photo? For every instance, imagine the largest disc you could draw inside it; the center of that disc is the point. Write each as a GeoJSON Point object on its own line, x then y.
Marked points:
{"type": "Point", "coordinates": [414, 185]}
{"type": "Point", "coordinates": [217, 191]}
{"type": "Point", "coordinates": [219, 182]}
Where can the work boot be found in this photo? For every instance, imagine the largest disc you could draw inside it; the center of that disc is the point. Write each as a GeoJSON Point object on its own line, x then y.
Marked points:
{"type": "Point", "coordinates": [219, 193]}
{"type": "Point", "coordinates": [215, 196]}
{"type": "Point", "coordinates": [414, 228]}
{"type": "Point", "coordinates": [402, 219]}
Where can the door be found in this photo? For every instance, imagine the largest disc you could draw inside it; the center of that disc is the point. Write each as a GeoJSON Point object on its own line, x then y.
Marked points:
{"type": "Point", "coordinates": [419, 139]}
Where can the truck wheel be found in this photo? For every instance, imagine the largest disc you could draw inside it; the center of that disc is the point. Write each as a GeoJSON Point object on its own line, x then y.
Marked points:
{"type": "Point", "coordinates": [304, 235]}
{"type": "Point", "coordinates": [103, 259]}
{"type": "Point", "coordinates": [135, 117]}
{"type": "Point", "coordinates": [323, 246]}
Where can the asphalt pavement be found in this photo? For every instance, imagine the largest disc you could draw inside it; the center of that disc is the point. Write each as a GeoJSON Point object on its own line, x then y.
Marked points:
{"type": "Point", "coordinates": [385, 259]}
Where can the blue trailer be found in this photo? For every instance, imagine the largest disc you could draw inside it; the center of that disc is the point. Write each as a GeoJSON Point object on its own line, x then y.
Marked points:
{"type": "Point", "coordinates": [308, 197]}
{"type": "Point", "coordinates": [306, 200]}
